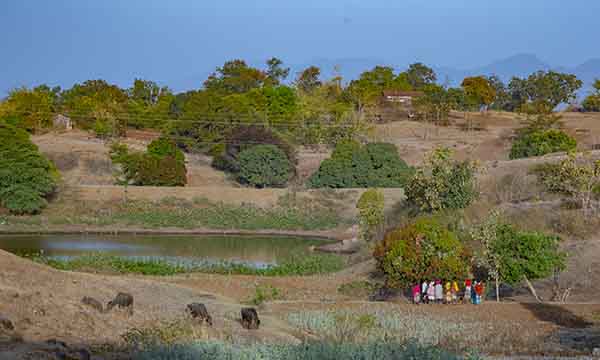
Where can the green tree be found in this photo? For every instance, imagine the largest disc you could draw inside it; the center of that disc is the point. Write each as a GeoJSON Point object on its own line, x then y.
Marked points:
{"type": "Point", "coordinates": [479, 91]}
{"type": "Point", "coordinates": [544, 89]}
{"type": "Point", "coordinates": [527, 256]}
{"type": "Point", "coordinates": [423, 249]}
{"type": "Point", "coordinates": [27, 178]}
{"type": "Point", "coordinates": [420, 75]}
{"type": "Point", "coordinates": [576, 176]}
{"type": "Point", "coordinates": [353, 165]}
{"type": "Point", "coordinates": [541, 142]}
{"type": "Point", "coordinates": [442, 183]}
{"type": "Point", "coordinates": [371, 205]}
{"type": "Point", "coordinates": [435, 104]}
{"type": "Point", "coordinates": [163, 164]}
{"type": "Point", "coordinates": [503, 100]}
{"type": "Point", "coordinates": [264, 166]}
{"type": "Point", "coordinates": [308, 80]}
{"type": "Point", "coordinates": [235, 77]}
{"type": "Point", "coordinates": [276, 73]}
{"type": "Point", "coordinates": [32, 110]}
{"type": "Point", "coordinates": [592, 102]}
{"type": "Point", "coordinates": [486, 235]}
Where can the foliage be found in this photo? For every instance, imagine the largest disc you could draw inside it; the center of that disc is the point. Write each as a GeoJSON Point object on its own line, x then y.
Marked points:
{"type": "Point", "coordinates": [479, 91]}
{"type": "Point", "coordinates": [419, 76]}
{"type": "Point", "coordinates": [31, 110]}
{"type": "Point", "coordinates": [526, 255]}
{"type": "Point", "coordinates": [264, 166]}
{"type": "Point", "coordinates": [367, 90]}
{"type": "Point", "coordinates": [442, 183]}
{"type": "Point", "coordinates": [592, 102]}
{"type": "Point", "coordinates": [235, 77]}
{"type": "Point", "coordinates": [264, 294]}
{"type": "Point", "coordinates": [353, 165]}
{"type": "Point", "coordinates": [371, 213]}
{"type": "Point", "coordinates": [275, 72]}
{"type": "Point", "coordinates": [382, 350]}
{"type": "Point", "coordinates": [296, 265]}
{"type": "Point", "coordinates": [435, 104]}
{"type": "Point", "coordinates": [163, 164]}
{"type": "Point", "coordinates": [541, 142]}
{"type": "Point", "coordinates": [423, 249]}
{"type": "Point", "coordinates": [575, 176]}
{"type": "Point", "coordinates": [486, 236]}
{"type": "Point", "coordinates": [544, 87]}
{"type": "Point", "coordinates": [308, 79]}
{"type": "Point", "coordinates": [27, 178]}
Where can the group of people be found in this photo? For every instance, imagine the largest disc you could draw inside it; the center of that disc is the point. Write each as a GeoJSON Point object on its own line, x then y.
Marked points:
{"type": "Point", "coordinates": [436, 293]}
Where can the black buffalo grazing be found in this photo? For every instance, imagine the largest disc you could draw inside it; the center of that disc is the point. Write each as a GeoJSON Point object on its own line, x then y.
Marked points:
{"type": "Point", "coordinates": [6, 324]}
{"type": "Point", "coordinates": [199, 311]}
{"type": "Point", "coordinates": [250, 319]}
{"type": "Point", "coordinates": [93, 303]}
{"type": "Point", "coordinates": [122, 301]}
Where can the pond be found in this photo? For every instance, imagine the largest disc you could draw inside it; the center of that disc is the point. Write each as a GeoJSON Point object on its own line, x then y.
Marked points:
{"type": "Point", "coordinates": [251, 250]}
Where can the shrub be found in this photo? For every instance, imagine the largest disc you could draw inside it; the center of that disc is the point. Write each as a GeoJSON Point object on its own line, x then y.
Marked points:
{"type": "Point", "coordinates": [591, 103]}
{"type": "Point", "coordinates": [246, 137]}
{"type": "Point", "coordinates": [526, 256]}
{"type": "Point", "coordinates": [424, 249]}
{"type": "Point", "coordinates": [371, 212]}
{"type": "Point", "coordinates": [442, 184]}
{"type": "Point", "coordinates": [162, 165]}
{"type": "Point", "coordinates": [355, 166]}
{"type": "Point", "coordinates": [381, 350]}
{"type": "Point", "coordinates": [264, 166]}
{"type": "Point", "coordinates": [541, 142]}
{"type": "Point", "coordinates": [27, 178]}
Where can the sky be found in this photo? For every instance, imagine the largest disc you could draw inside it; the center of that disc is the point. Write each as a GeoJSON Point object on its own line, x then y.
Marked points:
{"type": "Point", "coordinates": [176, 42]}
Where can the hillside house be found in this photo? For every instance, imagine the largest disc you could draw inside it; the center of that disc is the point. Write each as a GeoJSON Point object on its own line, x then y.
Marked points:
{"type": "Point", "coordinates": [62, 122]}
{"type": "Point", "coordinates": [401, 97]}
{"type": "Point", "coordinates": [398, 104]}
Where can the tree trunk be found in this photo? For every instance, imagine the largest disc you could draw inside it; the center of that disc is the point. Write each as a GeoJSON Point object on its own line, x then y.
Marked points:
{"type": "Point", "coordinates": [531, 288]}
{"type": "Point", "coordinates": [497, 288]}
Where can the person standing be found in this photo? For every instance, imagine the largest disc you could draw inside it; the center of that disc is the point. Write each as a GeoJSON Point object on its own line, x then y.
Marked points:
{"type": "Point", "coordinates": [468, 291]}
{"type": "Point", "coordinates": [431, 292]}
{"type": "Point", "coordinates": [454, 292]}
{"type": "Point", "coordinates": [416, 293]}
{"type": "Point", "coordinates": [424, 292]}
{"type": "Point", "coordinates": [439, 292]}
{"type": "Point", "coordinates": [448, 294]}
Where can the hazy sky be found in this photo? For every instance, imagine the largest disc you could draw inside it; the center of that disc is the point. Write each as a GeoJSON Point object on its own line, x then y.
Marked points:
{"type": "Point", "coordinates": [63, 41]}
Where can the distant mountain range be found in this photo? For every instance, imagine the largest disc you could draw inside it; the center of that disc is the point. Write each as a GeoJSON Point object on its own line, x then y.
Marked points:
{"type": "Point", "coordinates": [520, 65]}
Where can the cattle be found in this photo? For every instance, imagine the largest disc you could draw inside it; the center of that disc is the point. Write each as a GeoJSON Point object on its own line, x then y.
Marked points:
{"type": "Point", "coordinates": [250, 319]}
{"type": "Point", "coordinates": [6, 324]}
{"type": "Point", "coordinates": [93, 303]}
{"type": "Point", "coordinates": [122, 301]}
{"type": "Point", "coordinates": [199, 311]}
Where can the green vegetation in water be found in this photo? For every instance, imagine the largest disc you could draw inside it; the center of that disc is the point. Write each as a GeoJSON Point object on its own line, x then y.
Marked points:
{"type": "Point", "coordinates": [302, 214]}
{"type": "Point", "coordinates": [311, 350]}
{"type": "Point", "coordinates": [298, 265]}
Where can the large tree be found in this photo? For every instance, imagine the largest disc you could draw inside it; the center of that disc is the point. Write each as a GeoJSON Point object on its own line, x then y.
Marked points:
{"type": "Point", "coordinates": [543, 91]}
{"type": "Point", "coordinates": [420, 75]}
{"type": "Point", "coordinates": [308, 80]}
{"type": "Point", "coordinates": [30, 109]}
{"type": "Point", "coordinates": [235, 77]}
{"type": "Point", "coordinates": [276, 73]}
{"type": "Point", "coordinates": [479, 92]}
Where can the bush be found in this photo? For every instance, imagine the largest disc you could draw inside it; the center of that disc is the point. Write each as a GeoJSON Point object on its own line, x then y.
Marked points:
{"type": "Point", "coordinates": [264, 166]}
{"type": "Point", "coordinates": [591, 103]}
{"type": "Point", "coordinates": [162, 165]}
{"type": "Point", "coordinates": [355, 166]}
{"type": "Point", "coordinates": [371, 212]}
{"type": "Point", "coordinates": [27, 178]}
{"type": "Point", "coordinates": [424, 249]}
{"type": "Point", "coordinates": [541, 142]}
{"type": "Point", "coordinates": [246, 137]}
{"type": "Point", "coordinates": [442, 184]}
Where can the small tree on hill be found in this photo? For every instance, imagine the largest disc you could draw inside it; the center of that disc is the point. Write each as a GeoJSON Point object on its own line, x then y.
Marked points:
{"type": "Point", "coordinates": [576, 176]}
{"type": "Point", "coordinates": [264, 166]}
{"type": "Point", "coordinates": [486, 234]}
{"type": "Point", "coordinates": [526, 256]}
{"type": "Point", "coordinates": [442, 183]}
{"type": "Point", "coordinates": [371, 213]}
{"type": "Point", "coordinates": [479, 91]}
